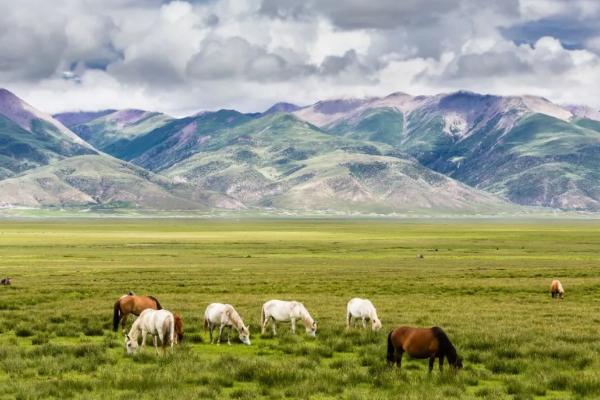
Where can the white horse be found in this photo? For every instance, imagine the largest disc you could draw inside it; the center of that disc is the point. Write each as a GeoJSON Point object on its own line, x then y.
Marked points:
{"type": "Point", "coordinates": [224, 315]}
{"type": "Point", "coordinates": [284, 311]}
{"type": "Point", "coordinates": [159, 323]}
{"type": "Point", "coordinates": [362, 309]}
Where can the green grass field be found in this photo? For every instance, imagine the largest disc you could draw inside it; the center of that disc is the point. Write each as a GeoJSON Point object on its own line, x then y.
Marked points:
{"type": "Point", "coordinates": [485, 282]}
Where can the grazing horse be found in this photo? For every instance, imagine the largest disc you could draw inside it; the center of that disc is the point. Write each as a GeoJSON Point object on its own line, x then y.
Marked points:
{"type": "Point", "coordinates": [159, 323]}
{"type": "Point", "coordinates": [429, 343]}
{"type": "Point", "coordinates": [6, 281]}
{"type": "Point", "coordinates": [224, 315]}
{"type": "Point", "coordinates": [132, 304]}
{"type": "Point", "coordinates": [556, 289]}
{"type": "Point", "coordinates": [362, 309]}
{"type": "Point", "coordinates": [178, 328]}
{"type": "Point", "coordinates": [284, 311]}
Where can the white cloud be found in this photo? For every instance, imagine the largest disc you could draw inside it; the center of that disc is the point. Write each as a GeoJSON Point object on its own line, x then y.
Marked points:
{"type": "Point", "coordinates": [181, 56]}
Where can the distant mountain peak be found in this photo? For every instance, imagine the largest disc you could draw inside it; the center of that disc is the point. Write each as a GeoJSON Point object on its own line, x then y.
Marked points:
{"type": "Point", "coordinates": [23, 114]}
{"type": "Point", "coordinates": [282, 107]}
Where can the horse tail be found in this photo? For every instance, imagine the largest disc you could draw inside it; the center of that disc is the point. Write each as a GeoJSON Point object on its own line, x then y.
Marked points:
{"type": "Point", "coordinates": [263, 316]}
{"type": "Point", "coordinates": [391, 351]}
{"type": "Point", "coordinates": [445, 344]}
{"type": "Point", "coordinates": [158, 306]}
{"type": "Point", "coordinates": [116, 315]}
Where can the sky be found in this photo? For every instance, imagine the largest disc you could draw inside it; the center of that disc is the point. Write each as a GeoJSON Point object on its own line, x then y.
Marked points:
{"type": "Point", "coordinates": [182, 57]}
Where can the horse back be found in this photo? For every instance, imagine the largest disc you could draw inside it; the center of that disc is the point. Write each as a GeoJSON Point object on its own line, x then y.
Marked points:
{"type": "Point", "coordinates": [417, 342]}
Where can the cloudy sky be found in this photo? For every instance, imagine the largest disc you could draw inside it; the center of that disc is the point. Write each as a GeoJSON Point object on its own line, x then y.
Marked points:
{"type": "Point", "coordinates": [184, 56]}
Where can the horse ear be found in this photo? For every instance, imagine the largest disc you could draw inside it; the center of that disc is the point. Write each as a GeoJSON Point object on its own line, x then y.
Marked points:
{"type": "Point", "coordinates": [248, 327]}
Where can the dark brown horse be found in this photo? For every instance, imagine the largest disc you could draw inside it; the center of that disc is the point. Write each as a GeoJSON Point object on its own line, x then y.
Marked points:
{"type": "Point", "coordinates": [132, 304]}
{"type": "Point", "coordinates": [178, 328]}
{"type": "Point", "coordinates": [429, 343]}
{"type": "Point", "coordinates": [6, 281]}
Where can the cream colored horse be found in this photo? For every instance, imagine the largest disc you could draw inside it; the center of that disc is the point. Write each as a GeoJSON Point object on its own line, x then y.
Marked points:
{"type": "Point", "coordinates": [158, 323]}
{"type": "Point", "coordinates": [556, 289]}
{"type": "Point", "coordinates": [362, 309]}
{"type": "Point", "coordinates": [224, 315]}
{"type": "Point", "coordinates": [284, 311]}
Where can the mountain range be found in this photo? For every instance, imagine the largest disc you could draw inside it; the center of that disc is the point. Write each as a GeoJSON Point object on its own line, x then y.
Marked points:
{"type": "Point", "coordinates": [449, 153]}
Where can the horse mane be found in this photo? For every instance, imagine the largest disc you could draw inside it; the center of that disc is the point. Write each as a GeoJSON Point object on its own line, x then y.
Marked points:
{"type": "Point", "coordinates": [234, 317]}
{"type": "Point", "coordinates": [306, 317]}
{"type": "Point", "coordinates": [445, 345]}
{"type": "Point", "coordinates": [158, 306]}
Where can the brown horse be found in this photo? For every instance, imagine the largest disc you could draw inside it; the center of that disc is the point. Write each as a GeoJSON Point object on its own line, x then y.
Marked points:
{"type": "Point", "coordinates": [429, 343]}
{"type": "Point", "coordinates": [178, 329]}
{"type": "Point", "coordinates": [132, 304]}
{"type": "Point", "coordinates": [6, 281]}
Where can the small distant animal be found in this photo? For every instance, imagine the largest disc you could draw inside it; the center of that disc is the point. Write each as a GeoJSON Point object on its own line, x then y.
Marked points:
{"type": "Point", "coordinates": [556, 289]}
{"type": "Point", "coordinates": [132, 304]}
{"type": "Point", "coordinates": [224, 315]}
{"type": "Point", "coordinates": [362, 309]}
{"type": "Point", "coordinates": [161, 324]}
{"type": "Point", "coordinates": [421, 343]}
{"type": "Point", "coordinates": [283, 311]}
{"type": "Point", "coordinates": [420, 256]}
{"type": "Point", "coordinates": [6, 281]}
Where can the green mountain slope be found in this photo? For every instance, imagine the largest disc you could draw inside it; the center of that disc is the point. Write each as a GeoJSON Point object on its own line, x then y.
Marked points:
{"type": "Point", "coordinates": [282, 162]}
{"type": "Point", "coordinates": [527, 149]}
{"type": "Point", "coordinates": [29, 138]}
{"type": "Point", "coordinates": [118, 129]}
{"type": "Point", "coordinates": [98, 180]}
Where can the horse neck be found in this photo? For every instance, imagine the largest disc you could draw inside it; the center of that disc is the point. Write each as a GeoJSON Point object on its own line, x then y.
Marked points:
{"type": "Point", "coordinates": [235, 319]}
{"type": "Point", "coordinates": [135, 330]}
{"type": "Point", "coordinates": [450, 352]}
{"type": "Point", "coordinates": [306, 318]}
{"type": "Point", "coordinates": [373, 315]}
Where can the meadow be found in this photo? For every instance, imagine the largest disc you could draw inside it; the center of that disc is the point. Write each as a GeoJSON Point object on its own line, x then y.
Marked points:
{"type": "Point", "coordinates": [485, 282]}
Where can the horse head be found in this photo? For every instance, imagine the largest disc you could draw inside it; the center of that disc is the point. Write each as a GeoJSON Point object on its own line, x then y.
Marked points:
{"type": "Point", "coordinates": [458, 364]}
{"type": "Point", "coordinates": [376, 324]}
{"type": "Point", "coordinates": [312, 329]}
{"type": "Point", "coordinates": [245, 335]}
{"type": "Point", "coordinates": [131, 345]}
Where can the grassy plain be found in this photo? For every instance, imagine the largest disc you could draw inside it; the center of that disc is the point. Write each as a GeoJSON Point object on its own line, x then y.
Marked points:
{"type": "Point", "coordinates": [485, 282]}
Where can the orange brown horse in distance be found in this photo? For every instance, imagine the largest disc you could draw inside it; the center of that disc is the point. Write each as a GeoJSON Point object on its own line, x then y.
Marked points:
{"type": "Point", "coordinates": [556, 289]}
{"type": "Point", "coordinates": [429, 343]}
{"type": "Point", "coordinates": [132, 304]}
{"type": "Point", "coordinates": [178, 328]}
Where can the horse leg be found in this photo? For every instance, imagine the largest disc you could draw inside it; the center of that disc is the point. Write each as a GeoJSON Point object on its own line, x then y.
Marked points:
{"type": "Point", "coordinates": [399, 355]}
{"type": "Point", "coordinates": [273, 325]}
{"type": "Point", "coordinates": [364, 322]}
{"type": "Point", "coordinates": [228, 336]}
{"type": "Point", "coordinates": [293, 322]}
{"type": "Point", "coordinates": [211, 328]}
{"type": "Point", "coordinates": [143, 339]}
{"type": "Point", "coordinates": [263, 328]}
{"type": "Point", "coordinates": [155, 342]}
{"type": "Point", "coordinates": [220, 332]}
{"type": "Point", "coordinates": [431, 361]}
{"type": "Point", "coordinates": [441, 363]}
{"type": "Point", "coordinates": [348, 321]}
